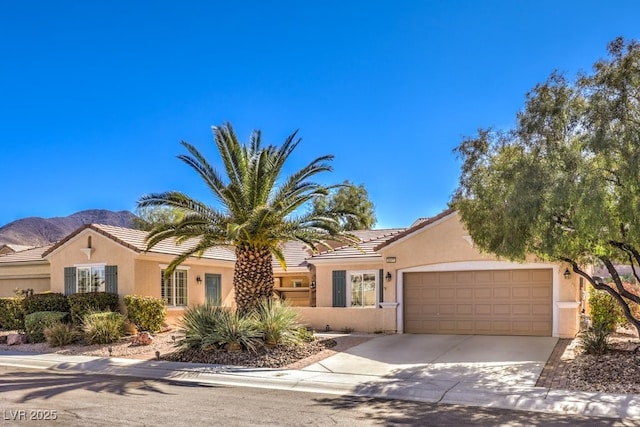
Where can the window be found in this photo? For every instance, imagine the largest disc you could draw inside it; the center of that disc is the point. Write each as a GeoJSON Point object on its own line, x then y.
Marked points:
{"type": "Point", "coordinates": [173, 290]}
{"type": "Point", "coordinates": [363, 289]}
{"type": "Point", "coordinates": [90, 279]}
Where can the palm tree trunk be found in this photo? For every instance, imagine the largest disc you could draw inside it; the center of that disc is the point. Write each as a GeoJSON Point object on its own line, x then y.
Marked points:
{"type": "Point", "coordinates": [252, 277]}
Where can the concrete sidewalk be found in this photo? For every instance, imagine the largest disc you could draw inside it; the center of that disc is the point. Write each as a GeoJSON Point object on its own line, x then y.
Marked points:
{"type": "Point", "coordinates": [445, 380]}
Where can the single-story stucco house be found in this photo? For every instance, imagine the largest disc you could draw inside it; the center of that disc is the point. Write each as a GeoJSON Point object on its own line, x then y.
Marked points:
{"type": "Point", "coordinates": [428, 278]}
{"type": "Point", "coordinates": [24, 269]}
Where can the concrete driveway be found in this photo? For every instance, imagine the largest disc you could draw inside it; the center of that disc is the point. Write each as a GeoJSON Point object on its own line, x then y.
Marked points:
{"type": "Point", "coordinates": [445, 362]}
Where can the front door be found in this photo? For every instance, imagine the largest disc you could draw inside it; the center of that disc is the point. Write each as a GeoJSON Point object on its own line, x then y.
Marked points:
{"type": "Point", "coordinates": [212, 285]}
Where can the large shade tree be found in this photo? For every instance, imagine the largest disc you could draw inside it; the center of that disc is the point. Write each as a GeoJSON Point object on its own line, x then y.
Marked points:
{"type": "Point", "coordinates": [351, 202]}
{"type": "Point", "coordinates": [256, 208]}
{"type": "Point", "coordinates": [564, 182]}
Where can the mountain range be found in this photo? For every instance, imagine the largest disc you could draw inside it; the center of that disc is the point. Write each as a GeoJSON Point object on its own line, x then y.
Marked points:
{"type": "Point", "coordinates": [36, 231]}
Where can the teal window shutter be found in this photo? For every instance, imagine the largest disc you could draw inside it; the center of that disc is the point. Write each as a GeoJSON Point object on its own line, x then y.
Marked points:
{"type": "Point", "coordinates": [69, 280]}
{"type": "Point", "coordinates": [111, 279]}
{"type": "Point", "coordinates": [339, 288]}
{"type": "Point", "coordinates": [381, 285]}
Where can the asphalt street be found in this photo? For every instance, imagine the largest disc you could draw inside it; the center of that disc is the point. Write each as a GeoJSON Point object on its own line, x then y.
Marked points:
{"type": "Point", "coordinates": [37, 397]}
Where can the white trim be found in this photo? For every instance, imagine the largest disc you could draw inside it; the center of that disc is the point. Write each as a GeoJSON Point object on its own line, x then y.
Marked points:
{"type": "Point", "coordinates": [480, 265]}
{"type": "Point", "coordinates": [180, 267]}
{"type": "Point", "coordinates": [174, 286]}
{"type": "Point", "coordinates": [344, 260]}
{"type": "Point", "coordinates": [291, 270]}
{"type": "Point", "coordinates": [376, 289]}
{"type": "Point", "coordinates": [568, 304]}
{"type": "Point", "coordinates": [101, 265]}
{"type": "Point", "coordinates": [88, 265]}
{"type": "Point", "coordinates": [388, 304]}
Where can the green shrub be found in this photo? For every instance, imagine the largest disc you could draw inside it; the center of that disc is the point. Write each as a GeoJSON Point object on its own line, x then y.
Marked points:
{"type": "Point", "coordinates": [605, 310]}
{"type": "Point", "coordinates": [235, 332]}
{"type": "Point", "coordinates": [278, 322]}
{"type": "Point", "coordinates": [59, 334]}
{"type": "Point", "coordinates": [198, 323]}
{"type": "Point", "coordinates": [102, 327]}
{"type": "Point", "coordinates": [81, 304]}
{"type": "Point", "coordinates": [596, 339]}
{"type": "Point", "coordinates": [305, 335]}
{"type": "Point", "coordinates": [146, 313]}
{"type": "Point", "coordinates": [45, 302]}
{"type": "Point", "coordinates": [36, 323]}
{"type": "Point", "coordinates": [11, 314]}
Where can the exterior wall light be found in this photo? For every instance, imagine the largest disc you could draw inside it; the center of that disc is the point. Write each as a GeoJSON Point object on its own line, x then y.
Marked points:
{"type": "Point", "coordinates": [388, 276]}
{"type": "Point", "coordinates": [198, 279]}
{"type": "Point", "coordinates": [567, 274]}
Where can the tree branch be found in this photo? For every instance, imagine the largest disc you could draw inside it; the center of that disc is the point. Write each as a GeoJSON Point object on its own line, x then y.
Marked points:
{"type": "Point", "coordinates": [608, 289]}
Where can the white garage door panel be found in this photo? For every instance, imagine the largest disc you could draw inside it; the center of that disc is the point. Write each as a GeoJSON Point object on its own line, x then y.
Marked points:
{"type": "Point", "coordinates": [488, 302]}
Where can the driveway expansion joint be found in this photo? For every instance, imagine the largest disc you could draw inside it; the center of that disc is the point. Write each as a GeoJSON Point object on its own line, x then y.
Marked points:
{"type": "Point", "coordinates": [447, 391]}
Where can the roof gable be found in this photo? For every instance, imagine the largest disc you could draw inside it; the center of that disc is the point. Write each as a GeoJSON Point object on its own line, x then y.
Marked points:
{"type": "Point", "coordinates": [135, 240]}
{"type": "Point", "coordinates": [418, 226]}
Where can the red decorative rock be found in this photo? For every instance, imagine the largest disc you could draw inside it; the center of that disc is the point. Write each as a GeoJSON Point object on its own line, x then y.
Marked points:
{"type": "Point", "coordinates": [143, 338]}
{"type": "Point", "coordinates": [16, 339]}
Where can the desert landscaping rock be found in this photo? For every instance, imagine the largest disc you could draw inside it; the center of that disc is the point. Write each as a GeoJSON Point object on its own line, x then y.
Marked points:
{"type": "Point", "coordinates": [265, 357]}
{"type": "Point", "coordinates": [143, 338]}
{"type": "Point", "coordinates": [16, 339]}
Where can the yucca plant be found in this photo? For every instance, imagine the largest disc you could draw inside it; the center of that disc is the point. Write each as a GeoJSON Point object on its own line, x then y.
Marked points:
{"type": "Point", "coordinates": [102, 327]}
{"type": "Point", "coordinates": [198, 323]}
{"type": "Point", "coordinates": [278, 322]}
{"type": "Point", "coordinates": [235, 331]}
{"type": "Point", "coordinates": [596, 340]}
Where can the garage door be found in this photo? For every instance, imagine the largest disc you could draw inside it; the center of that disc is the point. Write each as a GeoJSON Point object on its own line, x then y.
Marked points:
{"type": "Point", "coordinates": [488, 302]}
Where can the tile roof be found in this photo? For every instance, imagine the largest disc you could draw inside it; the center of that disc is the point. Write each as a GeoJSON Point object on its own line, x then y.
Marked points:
{"type": "Point", "coordinates": [15, 248]}
{"type": "Point", "coordinates": [295, 255]}
{"type": "Point", "coordinates": [29, 255]}
{"type": "Point", "coordinates": [135, 240]}
{"type": "Point", "coordinates": [417, 225]}
{"type": "Point", "coordinates": [369, 240]}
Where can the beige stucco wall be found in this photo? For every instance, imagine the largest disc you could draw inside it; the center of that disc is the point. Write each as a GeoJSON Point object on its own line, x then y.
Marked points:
{"type": "Point", "coordinates": [355, 319]}
{"type": "Point", "coordinates": [139, 273]}
{"type": "Point", "coordinates": [25, 275]}
{"type": "Point", "coordinates": [324, 278]}
{"type": "Point", "coordinates": [447, 242]}
{"type": "Point", "coordinates": [105, 251]}
{"type": "Point", "coordinates": [147, 278]}
{"type": "Point", "coordinates": [148, 269]}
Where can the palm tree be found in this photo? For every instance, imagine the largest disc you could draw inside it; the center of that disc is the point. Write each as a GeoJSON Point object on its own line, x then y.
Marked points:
{"type": "Point", "coordinates": [258, 210]}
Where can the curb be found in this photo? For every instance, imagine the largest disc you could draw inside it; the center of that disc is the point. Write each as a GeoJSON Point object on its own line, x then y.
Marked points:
{"type": "Point", "coordinates": [538, 399]}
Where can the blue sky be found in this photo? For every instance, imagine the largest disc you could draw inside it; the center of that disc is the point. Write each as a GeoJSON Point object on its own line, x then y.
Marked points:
{"type": "Point", "coordinates": [96, 96]}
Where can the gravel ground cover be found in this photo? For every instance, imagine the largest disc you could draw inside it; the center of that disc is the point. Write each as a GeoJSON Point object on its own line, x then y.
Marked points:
{"type": "Point", "coordinates": [291, 357]}
{"type": "Point", "coordinates": [617, 371]}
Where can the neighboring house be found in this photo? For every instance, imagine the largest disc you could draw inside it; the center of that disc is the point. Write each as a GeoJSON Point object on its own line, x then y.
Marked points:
{"type": "Point", "coordinates": [24, 270]}
{"type": "Point", "coordinates": [428, 278]}
{"type": "Point", "coordinates": [12, 249]}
